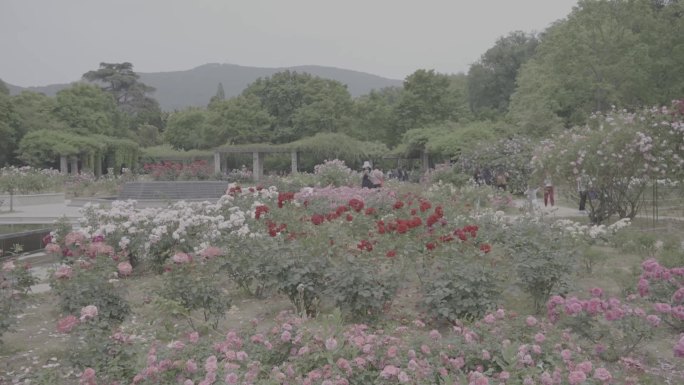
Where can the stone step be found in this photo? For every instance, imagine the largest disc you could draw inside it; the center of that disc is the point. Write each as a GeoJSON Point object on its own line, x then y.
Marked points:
{"type": "Point", "coordinates": [177, 190]}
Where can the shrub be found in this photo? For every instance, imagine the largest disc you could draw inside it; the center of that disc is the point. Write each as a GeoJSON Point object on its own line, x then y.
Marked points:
{"type": "Point", "coordinates": [359, 289]}
{"type": "Point", "coordinates": [461, 292]}
{"type": "Point", "coordinates": [196, 286]}
{"type": "Point", "coordinates": [15, 282]}
{"type": "Point", "coordinates": [92, 282]}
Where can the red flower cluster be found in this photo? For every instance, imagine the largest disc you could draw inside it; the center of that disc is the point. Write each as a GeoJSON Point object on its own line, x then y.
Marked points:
{"type": "Point", "coordinates": [462, 233]}
{"type": "Point", "coordinates": [398, 205]}
{"type": "Point", "coordinates": [234, 190]}
{"type": "Point", "coordinates": [274, 228]}
{"type": "Point", "coordinates": [365, 245]}
{"type": "Point", "coordinates": [317, 219]}
{"type": "Point", "coordinates": [401, 226]}
{"type": "Point", "coordinates": [356, 204]}
{"type": "Point", "coordinates": [436, 216]}
{"type": "Point", "coordinates": [262, 209]}
{"type": "Point", "coordinates": [485, 248]}
{"type": "Point", "coordinates": [284, 197]}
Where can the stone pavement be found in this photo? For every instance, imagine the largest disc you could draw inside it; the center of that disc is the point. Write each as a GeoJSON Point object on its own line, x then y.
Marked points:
{"type": "Point", "coordinates": [45, 213]}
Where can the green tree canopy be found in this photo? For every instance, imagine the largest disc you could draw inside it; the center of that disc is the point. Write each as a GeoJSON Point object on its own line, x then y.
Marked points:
{"type": "Point", "coordinates": [86, 109]}
{"type": "Point", "coordinates": [301, 104]}
{"type": "Point", "coordinates": [428, 99]}
{"type": "Point", "coordinates": [491, 81]}
{"type": "Point", "coordinates": [130, 94]}
{"type": "Point", "coordinates": [623, 53]}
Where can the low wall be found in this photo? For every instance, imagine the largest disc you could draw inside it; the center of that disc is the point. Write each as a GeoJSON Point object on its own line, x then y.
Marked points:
{"type": "Point", "coordinates": [31, 200]}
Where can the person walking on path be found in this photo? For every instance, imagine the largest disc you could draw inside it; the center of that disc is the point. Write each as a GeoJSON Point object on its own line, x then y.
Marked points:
{"type": "Point", "coordinates": [548, 191]}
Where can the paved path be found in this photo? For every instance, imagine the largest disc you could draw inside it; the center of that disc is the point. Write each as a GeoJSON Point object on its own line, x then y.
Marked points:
{"type": "Point", "coordinates": [46, 213]}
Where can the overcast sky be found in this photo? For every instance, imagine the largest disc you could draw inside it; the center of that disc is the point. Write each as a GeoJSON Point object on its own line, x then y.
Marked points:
{"type": "Point", "coordinates": [56, 41]}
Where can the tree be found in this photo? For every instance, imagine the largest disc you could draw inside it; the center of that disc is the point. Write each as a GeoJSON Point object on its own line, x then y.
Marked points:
{"type": "Point", "coordinates": [491, 81]}
{"type": "Point", "coordinates": [3, 88]}
{"type": "Point", "coordinates": [325, 104]}
{"type": "Point", "coordinates": [86, 109]}
{"type": "Point", "coordinates": [130, 95]}
{"type": "Point", "coordinates": [622, 53]}
{"type": "Point", "coordinates": [373, 116]}
{"type": "Point", "coordinates": [621, 153]}
{"type": "Point", "coordinates": [8, 133]}
{"type": "Point", "coordinates": [220, 95]}
{"type": "Point", "coordinates": [184, 129]}
{"type": "Point", "coordinates": [237, 120]}
{"type": "Point", "coordinates": [428, 98]}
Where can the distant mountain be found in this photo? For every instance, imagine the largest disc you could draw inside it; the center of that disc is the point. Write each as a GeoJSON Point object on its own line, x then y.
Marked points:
{"type": "Point", "coordinates": [180, 89]}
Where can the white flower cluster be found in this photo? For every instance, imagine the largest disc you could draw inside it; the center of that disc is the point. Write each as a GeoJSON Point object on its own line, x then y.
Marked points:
{"type": "Point", "coordinates": [586, 232]}
{"type": "Point", "coordinates": [194, 224]}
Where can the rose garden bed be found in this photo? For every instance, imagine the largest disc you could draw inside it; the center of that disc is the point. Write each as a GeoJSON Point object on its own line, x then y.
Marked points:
{"type": "Point", "coordinates": [349, 286]}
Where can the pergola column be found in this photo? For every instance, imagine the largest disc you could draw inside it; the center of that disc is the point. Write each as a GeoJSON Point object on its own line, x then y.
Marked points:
{"type": "Point", "coordinates": [257, 165]}
{"type": "Point", "coordinates": [217, 162]}
{"type": "Point", "coordinates": [295, 162]}
{"type": "Point", "coordinates": [425, 160]}
{"type": "Point", "coordinates": [74, 165]}
{"type": "Point", "coordinates": [63, 165]}
{"type": "Point", "coordinates": [98, 165]}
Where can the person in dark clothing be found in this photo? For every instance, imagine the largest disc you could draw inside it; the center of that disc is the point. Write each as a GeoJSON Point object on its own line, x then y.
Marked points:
{"type": "Point", "coordinates": [366, 181]}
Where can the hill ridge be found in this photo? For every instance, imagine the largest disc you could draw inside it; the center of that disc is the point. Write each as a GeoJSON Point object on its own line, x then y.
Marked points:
{"type": "Point", "coordinates": [194, 87]}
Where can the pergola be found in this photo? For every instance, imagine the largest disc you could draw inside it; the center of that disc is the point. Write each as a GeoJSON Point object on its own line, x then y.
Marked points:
{"type": "Point", "coordinates": [258, 152]}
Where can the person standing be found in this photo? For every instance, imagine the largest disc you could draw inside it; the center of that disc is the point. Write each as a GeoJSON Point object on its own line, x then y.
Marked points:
{"type": "Point", "coordinates": [548, 190]}
{"type": "Point", "coordinates": [502, 180]}
{"type": "Point", "coordinates": [582, 183]}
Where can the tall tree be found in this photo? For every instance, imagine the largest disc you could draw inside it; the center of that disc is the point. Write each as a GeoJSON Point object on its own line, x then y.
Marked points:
{"type": "Point", "coordinates": [622, 53]}
{"type": "Point", "coordinates": [130, 94]}
{"type": "Point", "coordinates": [220, 95]}
{"type": "Point", "coordinates": [491, 81]}
{"type": "Point", "coordinates": [3, 88]}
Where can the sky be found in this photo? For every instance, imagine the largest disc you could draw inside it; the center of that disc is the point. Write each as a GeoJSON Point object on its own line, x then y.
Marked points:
{"type": "Point", "coordinates": [56, 41]}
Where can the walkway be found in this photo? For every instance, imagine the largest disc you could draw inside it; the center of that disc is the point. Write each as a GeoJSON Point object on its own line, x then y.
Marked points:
{"type": "Point", "coordinates": [47, 213]}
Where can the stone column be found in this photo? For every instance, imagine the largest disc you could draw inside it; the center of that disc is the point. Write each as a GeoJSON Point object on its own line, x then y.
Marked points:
{"type": "Point", "coordinates": [98, 165]}
{"type": "Point", "coordinates": [425, 161]}
{"type": "Point", "coordinates": [295, 162]}
{"type": "Point", "coordinates": [257, 165]}
{"type": "Point", "coordinates": [63, 165]}
{"type": "Point", "coordinates": [74, 165]}
{"type": "Point", "coordinates": [217, 162]}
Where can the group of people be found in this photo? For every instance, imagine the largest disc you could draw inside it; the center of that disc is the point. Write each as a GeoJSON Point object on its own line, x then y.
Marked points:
{"type": "Point", "coordinates": [486, 177]}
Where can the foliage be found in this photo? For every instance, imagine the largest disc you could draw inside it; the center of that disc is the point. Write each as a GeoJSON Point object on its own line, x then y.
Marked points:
{"type": "Point", "coordinates": [301, 105]}
{"type": "Point", "coordinates": [462, 291]}
{"type": "Point", "coordinates": [491, 81]}
{"type": "Point", "coordinates": [333, 145]}
{"type": "Point", "coordinates": [603, 54]}
{"type": "Point", "coordinates": [428, 99]}
{"type": "Point", "coordinates": [197, 170]}
{"type": "Point", "coordinates": [511, 155]}
{"type": "Point", "coordinates": [15, 282]}
{"type": "Point", "coordinates": [130, 95]}
{"type": "Point", "coordinates": [334, 173]}
{"type": "Point", "coordinates": [85, 109]}
{"type": "Point", "coordinates": [90, 281]}
{"type": "Point", "coordinates": [621, 153]}
{"type": "Point", "coordinates": [359, 288]}
{"type": "Point", "coordinates": [196, 285]}
{"type": "Point", "coordinates": [542, 260]}
{"type": "Point", "coordinates": [96, 346]}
